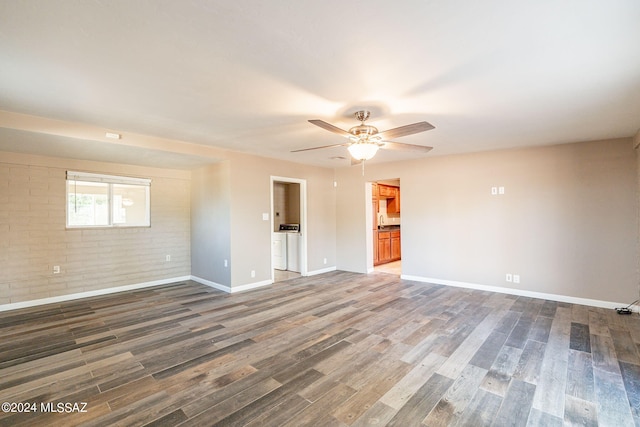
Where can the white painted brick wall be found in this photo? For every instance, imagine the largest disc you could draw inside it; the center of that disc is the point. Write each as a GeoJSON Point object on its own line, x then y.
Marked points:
{"type": "Point", "coordinates": [33, 236]}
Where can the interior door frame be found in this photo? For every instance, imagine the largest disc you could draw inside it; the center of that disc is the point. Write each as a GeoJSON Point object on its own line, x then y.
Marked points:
{"type": "Point", "coordinates": [370, 220]}
{"type": "Point", "coordinates": [303, 222]}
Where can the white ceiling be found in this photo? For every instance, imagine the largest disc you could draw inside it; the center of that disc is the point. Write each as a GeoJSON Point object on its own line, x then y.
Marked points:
{"type": "Point", "coordinates": [247, 74]}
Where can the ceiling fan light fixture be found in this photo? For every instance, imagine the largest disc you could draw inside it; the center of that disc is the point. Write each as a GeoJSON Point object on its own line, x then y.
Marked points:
{"type": "Point", "coordinates": [365, 140]}
{"type": "Point", "coordinates": [363, 150]}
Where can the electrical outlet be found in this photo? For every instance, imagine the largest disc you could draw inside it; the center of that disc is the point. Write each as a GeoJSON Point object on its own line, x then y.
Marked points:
{"type": "Point", "coordinates": [226, 263]}
{"type": "Point", "coordinates": [167, 258]}
{"type": "Point", "coordinates": [325, 260]}
{"type": "Point", "coordinates": [509, 277]}
{"type": "Point", "coordinates": [56, 269]}
{"type": "Point", "coordinates": [253, 273]}
{"type": "Point", "coordinates": [516, 278]}
{"type": "Point", "coordinates": [500, 190]}
{"type": "Point", "coordinates": [494, 190]}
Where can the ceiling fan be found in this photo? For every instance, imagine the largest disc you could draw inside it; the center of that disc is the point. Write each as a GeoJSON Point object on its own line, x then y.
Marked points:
{"type": "Point", "coordinates": [365, 140]}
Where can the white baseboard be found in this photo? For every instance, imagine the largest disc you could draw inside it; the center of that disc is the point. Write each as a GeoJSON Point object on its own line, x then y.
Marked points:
{"type": "Point", "coordinates": [519, 292]}
{"type": "Point", "coordinates": [321, 271]}
{"type": "Point", "coordinates": [107, 291]}
{"type": "Point", "coordinates": [79, 295]}
{"type": "Point", "coordinates": [211, 284]}
{"type": "Point", "coordinates": [249, 286]}
{"type": "Point", "coordinates": [231, 290]}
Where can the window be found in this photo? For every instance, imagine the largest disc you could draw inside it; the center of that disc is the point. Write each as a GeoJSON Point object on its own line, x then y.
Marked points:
{"type": "Point", "coordinates": [95, 200]}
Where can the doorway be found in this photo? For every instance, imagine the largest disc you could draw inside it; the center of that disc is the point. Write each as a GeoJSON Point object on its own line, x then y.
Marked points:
{"type": "Point", "coordinates": [288, 228]}
{"type": "Point", "coordinates": [386, 226]}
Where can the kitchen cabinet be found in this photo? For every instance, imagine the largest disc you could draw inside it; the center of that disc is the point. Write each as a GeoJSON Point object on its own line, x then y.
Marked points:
{"type": "Point", "coordinates": [392, 195]}
{"type": "Point", "coordinates": [374, 212]}
{"type": "Point", "coordinates": [386, 247]}
{"type": "Point", "coordinates": [376, 256]}
{"type": "Point", "coordinates": [386, 191]}
{"type": "Point", "coordinates": [393, 205]}
{"type": "Point", "coordinates": [395, 245]}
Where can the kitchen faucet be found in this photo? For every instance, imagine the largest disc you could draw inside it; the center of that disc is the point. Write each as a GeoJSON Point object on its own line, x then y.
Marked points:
{"type": "Point", "coordinates": [381, 219]}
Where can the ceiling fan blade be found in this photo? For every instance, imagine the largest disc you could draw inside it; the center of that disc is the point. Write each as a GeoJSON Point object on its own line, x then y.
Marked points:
{"type": "Point", "coordinates": [390, 145]}
{"type": "Point", "coordinates": [406, 130]}
{"type": "Point", "coordinates": [317, 148]}
{"type": "Point", "coordinates": [355, 162]}
{"type": "Point", "coordinates": [330, 127]}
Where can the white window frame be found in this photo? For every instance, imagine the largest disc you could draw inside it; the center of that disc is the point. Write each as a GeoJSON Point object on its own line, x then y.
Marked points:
{"type": "Point", "coordinates": [74, 176]}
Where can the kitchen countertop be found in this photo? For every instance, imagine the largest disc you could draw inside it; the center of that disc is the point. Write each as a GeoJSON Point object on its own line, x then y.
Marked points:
{"type": "Point", "coordinates": [388, 227]}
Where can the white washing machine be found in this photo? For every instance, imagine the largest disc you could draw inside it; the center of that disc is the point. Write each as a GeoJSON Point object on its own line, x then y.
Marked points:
{"type": "Point", "coordinates": [287, 247]}
{"type": "Point", "coordinates": [279, 250]}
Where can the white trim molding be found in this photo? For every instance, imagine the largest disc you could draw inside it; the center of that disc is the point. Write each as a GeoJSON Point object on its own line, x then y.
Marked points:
{"type": "Point", "coordinates": [233, 289]}
{"type": "Point", "coordinates": [98, 292]}
{"type": "Point", "coordinates": [107, 291]}
{"type": "Point", "coordinates": [519, 292]}
{"type": "Point", "coordinates": [250, 286]}
{"type": "Point", "coordinates": [321, 271]}
{"type": "Point", "coordinates": [211, 284]}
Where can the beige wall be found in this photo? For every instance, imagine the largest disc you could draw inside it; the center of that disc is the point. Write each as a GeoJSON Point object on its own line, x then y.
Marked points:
{"type": "Point", "coordinates": [211, 223]}
{"type": "Point", "coordinates": [229, 199]}
{"type": "Point", "coordinates": [217, 218]}
{"type": "Point", "coordinates": [251, 197]}
{"type": "Point", "coordinates": [33, 237]}
{"type": "Point", "coordinates": [567, 223]}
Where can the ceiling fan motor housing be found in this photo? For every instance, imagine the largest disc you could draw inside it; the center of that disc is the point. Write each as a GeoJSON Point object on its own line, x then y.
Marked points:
{"type": "Point", "coordinates": [363, 131]}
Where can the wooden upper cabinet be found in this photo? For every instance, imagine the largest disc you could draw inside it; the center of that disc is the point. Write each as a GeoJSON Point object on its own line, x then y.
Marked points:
{"type": "Point", "coordinates": [374, 191]}
{"type": "Point", "coordinates": [393, 198]}
{"type": "Point", "coordinates": [393, 205]}
{"type": "Point", "coordinates": [386, 191]}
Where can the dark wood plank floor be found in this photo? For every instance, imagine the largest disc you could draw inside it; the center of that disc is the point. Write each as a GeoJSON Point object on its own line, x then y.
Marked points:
{"type": "Point", "coordinates": [331, 350]}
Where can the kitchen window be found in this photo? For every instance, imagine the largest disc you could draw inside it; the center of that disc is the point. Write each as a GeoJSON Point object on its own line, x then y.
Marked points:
{"type": "Point", "coordinates": [96, 200]}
